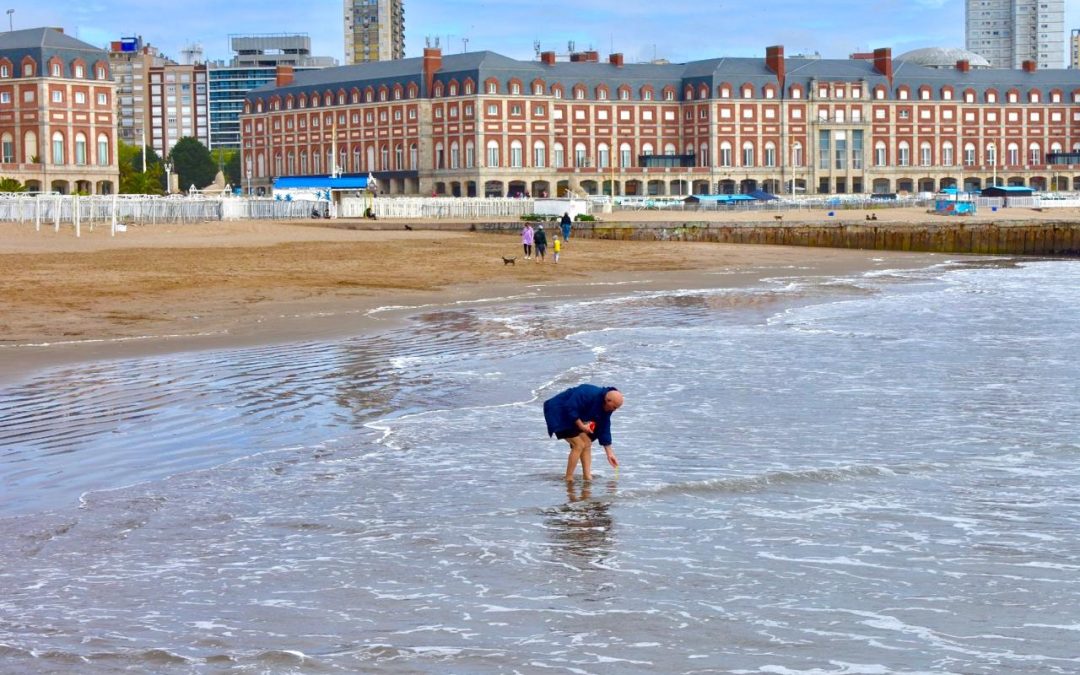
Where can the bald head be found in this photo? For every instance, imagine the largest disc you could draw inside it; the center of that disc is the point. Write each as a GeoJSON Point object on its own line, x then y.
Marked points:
{"type": "Point", "coordinates": [612, 401]}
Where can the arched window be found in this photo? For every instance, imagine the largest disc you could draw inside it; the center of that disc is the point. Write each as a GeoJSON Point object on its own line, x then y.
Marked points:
{"type": "Point", "coordinates": [670, 149]}
{"type": "Point", "coordinates": [603, 156]}
{"type": "Point", "coordinates": [369, 158]}
{"type": "Point", "coordinates": [770, 154]}
{"type": "Point", "coordinates": [539, 154]}
{"type": "Point", "coordinates": [991, 154]}
{"type": "Point", "coordinates": [516, 160]}
{"type": "Point", "coordinates": [492, 153]}
{"type": "Point", "coordinates": [102, 150]}
{"type": "Point", "coordinates": [440, 156]}
{"type": "Point", "coordinates": [796, 154]}
{"type": "Point", "coordinates": [399, 157]}
{"type": "Point", "coordinates": [926, 154]}
{"type": "Point", "coordinates": [1035, 154]}
{"type": "Point", "coordinates": [470, 155]}
{"type": "Point", "coordinates": [303, 163]}
{"type": "Point", "coordinates": [725, 154]}
{"type": "Point", "coordinates": [748, 154]}
{"type": "Point", "coordinates": [455, 155]}
{"type": "Point", "coordinates": [414, 157]}
{"type": "Point", "coordinates": [558, 156]}
{"type": "Point", "coordinates": [7, 149]}
{"type": "Point", "coordinates": [704, 158]}
{"type": "Point", "coordinates": [969, 154]}
{"type": "Point", "coordinates": [384, 153]}
{"type": "Point", "coordinates": [881, 156]}
{"type": "Point", "coordinates": [903, 154]}
{"type": "Point", "coordinates": [80, 149]}
{"type": "Point", "coordinates": [625, 156]}
{"type": "Point", "coordinates": [646, 149]}
{"type": "Point", "coordinates": [57, 148]}
{"type": "Point", "coordinates": [947, 158]}
{"type": "Point", "coordinates": [580, 158]}
{"type": "Point", "coordinates": [1013, 156]}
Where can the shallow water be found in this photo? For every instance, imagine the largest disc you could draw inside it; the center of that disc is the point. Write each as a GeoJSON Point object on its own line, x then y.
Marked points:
{"type": "Point", "coordinates": [874, 474]}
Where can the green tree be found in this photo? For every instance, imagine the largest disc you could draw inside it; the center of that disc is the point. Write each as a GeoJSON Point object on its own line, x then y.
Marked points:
{"type": "Point", "coordinates": [135, 181]}
{"type": "Point", "coordinates": [192, 163]}
{"type": "Point", "coordinates": [233, 174]}
{"type": "Point", "coordinates": [11, 185]}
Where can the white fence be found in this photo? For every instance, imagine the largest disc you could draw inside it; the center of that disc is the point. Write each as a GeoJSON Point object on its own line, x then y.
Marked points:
{"type": "Point", "coordinates": [474, 208]}
{"type": "Point", "coordinates": [104, 209]}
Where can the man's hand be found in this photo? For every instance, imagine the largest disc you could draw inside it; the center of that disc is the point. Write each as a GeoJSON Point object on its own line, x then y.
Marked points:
{"type": "Point", "coordinates": [611, 458]}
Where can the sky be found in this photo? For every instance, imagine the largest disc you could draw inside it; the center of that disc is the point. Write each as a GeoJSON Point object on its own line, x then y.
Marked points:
{"type": "Point", "coordinates": [640, 29]}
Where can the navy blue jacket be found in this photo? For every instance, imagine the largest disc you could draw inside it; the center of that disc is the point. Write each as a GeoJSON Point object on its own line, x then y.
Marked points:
{"type": "Point", "coordinates": [584, 402]}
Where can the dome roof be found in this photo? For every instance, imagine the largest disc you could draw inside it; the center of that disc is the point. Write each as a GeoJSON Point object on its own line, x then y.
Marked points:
{"type": "Point", "coordinates": [943, 57]}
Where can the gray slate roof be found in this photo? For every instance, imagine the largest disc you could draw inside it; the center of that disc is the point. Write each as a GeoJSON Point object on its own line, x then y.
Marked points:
{"type": "Point", "coordinates": [43, 44]}
{"type": "Point", "coordinates": [479, 66]}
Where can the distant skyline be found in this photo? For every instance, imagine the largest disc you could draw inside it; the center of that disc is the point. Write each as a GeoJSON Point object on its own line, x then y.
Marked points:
{"type": "Point", "coordinates": [640, 29]}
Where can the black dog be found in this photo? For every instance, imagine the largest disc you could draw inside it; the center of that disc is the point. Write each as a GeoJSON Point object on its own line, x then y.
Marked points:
{"type": "Point", "coordinates": [508, 261]}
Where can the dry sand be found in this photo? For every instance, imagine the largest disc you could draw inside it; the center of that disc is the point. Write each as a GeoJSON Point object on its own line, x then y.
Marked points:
{"type": "Point", "coordinates": [162, 288]}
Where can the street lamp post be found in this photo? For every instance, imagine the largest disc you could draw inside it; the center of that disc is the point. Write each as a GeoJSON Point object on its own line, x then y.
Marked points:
{"type": "Point", "coordinates": [11, 20]}
{"type": "Point", "coordinates": [168, 176]}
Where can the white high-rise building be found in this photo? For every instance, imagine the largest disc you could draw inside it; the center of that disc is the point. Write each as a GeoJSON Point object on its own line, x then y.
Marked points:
{"type": "Point", "coordinates": [1009, 32]}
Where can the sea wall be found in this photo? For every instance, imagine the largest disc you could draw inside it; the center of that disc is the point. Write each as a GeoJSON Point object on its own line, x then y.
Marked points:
{"type": "Point", "coordinates": [1042, 238]}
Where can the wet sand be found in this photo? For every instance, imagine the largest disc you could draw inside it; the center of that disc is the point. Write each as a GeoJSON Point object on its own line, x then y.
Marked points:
{"type": "Point", "coordinates": [163, 288]}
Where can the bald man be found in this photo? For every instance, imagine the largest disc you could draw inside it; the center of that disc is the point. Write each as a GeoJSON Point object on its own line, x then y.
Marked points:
{"type": "Point", "coordinates": [579, 416]}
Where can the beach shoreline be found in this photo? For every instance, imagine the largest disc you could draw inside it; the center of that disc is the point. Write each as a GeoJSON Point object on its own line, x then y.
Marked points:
{"type": "Point", "coordinates": [181, 288]}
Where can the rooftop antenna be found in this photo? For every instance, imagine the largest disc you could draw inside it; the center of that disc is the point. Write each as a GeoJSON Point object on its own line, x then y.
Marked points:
{"type": "Point", "coordinates": [465, 44]}
{"type": "Point", "coordinates": [10, 20]}
{"type": "Point", "coordinates": [570, 46]}
{"type": "Point", "coordinates": [536, 47]}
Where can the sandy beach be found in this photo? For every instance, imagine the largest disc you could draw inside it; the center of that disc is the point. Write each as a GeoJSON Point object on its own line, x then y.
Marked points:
{"type": "Point", "coordinates": [162, 288]}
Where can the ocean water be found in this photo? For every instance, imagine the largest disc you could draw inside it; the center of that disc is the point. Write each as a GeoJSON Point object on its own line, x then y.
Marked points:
{"type": "Point", "coordinates": [871, 474]}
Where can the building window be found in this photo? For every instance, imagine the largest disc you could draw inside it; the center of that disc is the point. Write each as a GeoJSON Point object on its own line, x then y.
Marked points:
{"type": "Point", "coordinates": [57, 96]}
{"type": "Point", "coordinates": [57, 71]}
{"type": "Point", "coordinates": [880, 156]}
{"type": "Point", "coordinates": [5, 71]}
{"type": "Point", "coordinates": [5, 97]}
{"type": "Point", "coordinates": [558, 156]}
{"type": "Point", "coordinates": [748, 154]}
{"type": "Point", "coordinates": [515, 155]}
{"type": "Point", "coordinates": [925, 154]}
{"type": "Point", "coordinates": [80, 149]}
{"type": "Point", "coordinates": [603, 156]}
{"type": "Point", "coordinates": [770, 155]}
{"type": "Point", "coordinates": [947, 154]}
{"type": "Point", "coordinates": [493, 153]}
{"type": "Point", "coordinates": [797, 154]}
{"type": "Point", "coordinates": [625, 156]}
{"type": "Point", "coordinates": [1013, 157]}
{"type": "Point", "coordinates": [58, 148]}
{"type": "Point", "coordinates": [903, 154]}
{"type": "Point", "coordinates": [969, 154]}
{"type": "Point", "coordinates": [725, 154]}
{"type": "Point", "coordinates": [1034, 155]}
{"type": "Point", "coordinates": [539, 155]}
{"type": "Point", "coordinates": [580, 157]}
{"type": "Point", "coordinates": [7, 149]}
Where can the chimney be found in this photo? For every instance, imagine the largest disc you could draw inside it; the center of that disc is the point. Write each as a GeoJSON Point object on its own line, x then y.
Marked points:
{"type": "Point", "coordinates": [592, 56]}
{"type": "Point", "coordinates": [283, 76]}
{"type": "Point", "coordinates": [616, 60]}
{"type": "Point", "coordinates": [547, 58]}
{"type": "Point", "coordinates": [774, 61]}
{"type": "Point", "coordinates": [432, 64]}
{"type": "Point", "coordinates": [883, 63]}
{"type": "Point", "coordinates": [1029, 66]}
{"type": "Point", "coordinates": [963, 65]}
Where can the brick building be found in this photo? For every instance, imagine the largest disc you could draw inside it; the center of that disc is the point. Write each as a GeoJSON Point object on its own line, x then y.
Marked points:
{"type": "Point", "coordinates": [484, 124]}
{"type": "Point", "coordinates": [57, 117]}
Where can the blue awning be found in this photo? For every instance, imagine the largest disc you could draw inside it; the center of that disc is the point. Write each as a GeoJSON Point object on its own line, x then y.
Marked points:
{"type": "Point", "coordinates": [347, 182]}
{"type": "Point", "coordinates": [720, 199]}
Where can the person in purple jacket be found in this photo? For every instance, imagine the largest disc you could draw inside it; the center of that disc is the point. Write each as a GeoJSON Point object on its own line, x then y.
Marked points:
{"type": "Point", "coordinates": [581, 415]}
{"type": "Point", "coordinates": [527, 240]}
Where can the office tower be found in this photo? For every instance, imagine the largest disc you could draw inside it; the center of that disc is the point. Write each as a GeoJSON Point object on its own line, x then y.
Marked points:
{"type": "Point", "coordinates": [1009, 32]}
{"type": "Point", "coordinates": [253, 64]}
{"type": "Point", "coordinates": [374, 30]}
{"type": "Point", "coordinates": [1074, 48]}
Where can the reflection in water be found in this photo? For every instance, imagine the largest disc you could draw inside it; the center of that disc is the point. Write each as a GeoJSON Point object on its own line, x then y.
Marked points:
{"type": "Point", "coordinates": [583, 526]}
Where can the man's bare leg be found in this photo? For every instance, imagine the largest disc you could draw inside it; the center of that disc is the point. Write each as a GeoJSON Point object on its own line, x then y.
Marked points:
{"type": "Point", "coordinates": [586, 460]}
{"type": "Point", "coordinates": [578, 446]}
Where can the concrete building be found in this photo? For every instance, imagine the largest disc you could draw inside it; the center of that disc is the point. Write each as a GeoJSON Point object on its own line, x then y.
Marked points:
{"type": "Point", "coordinates": [57, 120]}
{"type": "Point", "coordinates": [1074, 48]}
{"type": "Point", "coordinates": [374, 30]}
{"type": "Point", "coordinates": [483, 124]}
{"type": "Point", "coordinates": [179, 105]}
{"type": "Point", "coordinates": [254, 62]}
{"type": "Point", "coordinates": [1010, 32]}
{"type": "Point", "coordinates": [131, 60]}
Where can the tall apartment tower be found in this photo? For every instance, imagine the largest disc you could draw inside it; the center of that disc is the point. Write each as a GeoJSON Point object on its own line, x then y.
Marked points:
{"type": "Point", "coordinates": [375, 30]}
{"type": "Point", "coordinates": [131, 61]}
{"type": "Point", "coordinates": [1009, 32]}
{"type": "Point", "coordinates": [1074, 49]}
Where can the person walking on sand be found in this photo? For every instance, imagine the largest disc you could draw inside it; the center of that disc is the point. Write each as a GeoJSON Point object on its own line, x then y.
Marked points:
{"type": "Point", "coordinates": [556, 246]}
{"type": "Point", "coordinates": [540, 243]}
{"type": "Point", "coordinates": [527, 240]}
{"type": "Point", "coordinates": [565, 223]}
{"type": "Point", "coordinates": [581, 415]}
